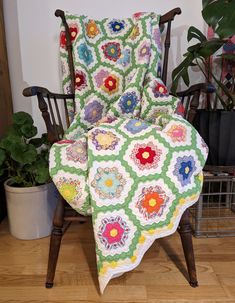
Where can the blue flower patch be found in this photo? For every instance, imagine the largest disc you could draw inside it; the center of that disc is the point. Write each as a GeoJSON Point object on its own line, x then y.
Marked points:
{"type": "Point", "coordinates": [116, 26]}
{"type": "Point", "coordinates": [134, 126]}
{"type": "Point", "coordinates": [124, 59]}
{"type": "Point", "coordinates": [128, 102]}
{"type": "Point", "coordinates": [184, 169]}
{"type": "Point", "coordinates": [85, 54]}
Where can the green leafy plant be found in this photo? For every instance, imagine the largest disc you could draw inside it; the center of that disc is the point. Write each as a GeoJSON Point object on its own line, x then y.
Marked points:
{"type": "Point", "coordinates": [220, 15]}
{"type": "Point", "coordinates": [23, 158]}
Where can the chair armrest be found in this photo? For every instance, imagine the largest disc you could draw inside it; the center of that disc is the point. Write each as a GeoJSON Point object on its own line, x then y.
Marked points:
{"type": "Point", "coordinates": [51, 112]}
{"type": "Point", "coordinates": [37, 90]}
{"type": "Point", "coordinates": [200, 87]}
{"type": "Point", "coordinates": [190, 98]}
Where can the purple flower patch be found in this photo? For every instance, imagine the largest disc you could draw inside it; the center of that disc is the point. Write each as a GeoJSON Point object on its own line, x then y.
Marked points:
{"type": "Point", "coordinates": [93, 112]}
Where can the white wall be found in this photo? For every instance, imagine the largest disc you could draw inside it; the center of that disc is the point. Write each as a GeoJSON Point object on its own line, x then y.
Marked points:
{"type": "Point", "coordinates": [32, 33]}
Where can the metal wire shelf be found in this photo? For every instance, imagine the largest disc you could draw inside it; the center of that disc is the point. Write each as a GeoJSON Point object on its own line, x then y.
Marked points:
{"type": "Point", "coordinates": [214, 213]}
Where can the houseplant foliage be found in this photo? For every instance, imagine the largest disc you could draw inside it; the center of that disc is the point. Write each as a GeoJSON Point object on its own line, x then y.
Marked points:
{"type": "Point", "coordinates": [220, 15]}
{"type": "Point", "coordinates": [216, 120]}
{"type": "Point", "coordinates": [23, 158]}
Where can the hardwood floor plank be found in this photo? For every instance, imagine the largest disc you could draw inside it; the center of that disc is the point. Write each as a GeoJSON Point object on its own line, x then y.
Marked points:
{"type": "Point", "coordinates": [160, 278]}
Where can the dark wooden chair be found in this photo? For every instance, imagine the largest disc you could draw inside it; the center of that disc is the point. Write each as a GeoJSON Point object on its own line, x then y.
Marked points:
{"type": "Point", "coordinates": [52, 114]}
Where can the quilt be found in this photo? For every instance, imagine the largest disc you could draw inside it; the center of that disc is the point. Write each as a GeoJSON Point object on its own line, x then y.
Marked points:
{"type": "Point", "coordinates": [128, 159]}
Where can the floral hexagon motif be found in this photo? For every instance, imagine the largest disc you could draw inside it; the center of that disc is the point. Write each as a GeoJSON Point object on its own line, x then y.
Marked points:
{"type": "Point", "coordinates": [151, 201]}
{"type": "Point", "coordinates": [114, 232]}
{"type": "Point", "coordinates": [73, 153]}
{"type": "Point", "coordinates": [73, 30]}
{"type": "Point", "coordinates": [111, 84]}
{"type": "Point", "coordinates": [135, 127]}
{"type": "Point", "coordinates": [183, 167]}
{"type": "Point", "coordinates": [107, 81]}
{"type": "Point", "coordinates": [72, 188]}
{"type": "Point", "coordinates": [176, 133]}
{"type": "Point", "coordinates": [77, 152]}
{"type": "Point", "coordinates": [160, 90]}
{"type": "Point", "coordinates": [143, 52]}
{"type": "Point", "coordinates": [152, 112]}
{"type": "Point", "coordinates": [109, 181]}
{"type": "Point", "coordinates": [100, 75]}
{"type": "Point", "coordinates": [128, 102]}
{"type": "Point", "coordinates": [105, 141]}
{"type": "Point", "coordinates": [80, 80]}
{"type": "Point", "coordinates": [116, 27]}
{"type": "Point", "coordinates": [92, 29]}
{"type": "Point", "coordinates": [157, 93]}
{"type": "Point", "coordinates": [111, 50]}
{"type": "Point", "coordinates": [124, 59]}
{"type": "Point", "coordinates": [85, 54]}
{"type": "Point", "coordinates": [157, 38]}
{"type": "Point", "coordinates": [146, 156]}
{"type": "Point", "coordinates": [93, 111]}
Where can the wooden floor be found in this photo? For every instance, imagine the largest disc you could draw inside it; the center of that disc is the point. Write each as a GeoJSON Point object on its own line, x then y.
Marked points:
{"type": "Point", "coordinates": [158, 279]}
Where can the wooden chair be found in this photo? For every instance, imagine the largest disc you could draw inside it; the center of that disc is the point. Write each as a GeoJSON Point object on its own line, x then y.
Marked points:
{"type": "Point", "coordinates": [48, 103]}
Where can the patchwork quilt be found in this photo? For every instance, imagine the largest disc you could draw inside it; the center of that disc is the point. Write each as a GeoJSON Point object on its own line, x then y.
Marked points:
{"type": "Point", "coordinates": [128, 159]}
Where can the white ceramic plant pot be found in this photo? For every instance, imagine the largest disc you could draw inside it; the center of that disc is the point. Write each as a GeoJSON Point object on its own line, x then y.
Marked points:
{"type": "Point", "coordinates": [30, 210]}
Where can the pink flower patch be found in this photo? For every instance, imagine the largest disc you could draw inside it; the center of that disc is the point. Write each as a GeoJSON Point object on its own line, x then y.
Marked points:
{"type": "Point", "coordinates": [100, 76]}
{"type": "Point", "coordinates": [177, 133]}
{"type": "Point", "coordinates": [113, 232]}
{"type": "Point", "coordinates": [77, 152]}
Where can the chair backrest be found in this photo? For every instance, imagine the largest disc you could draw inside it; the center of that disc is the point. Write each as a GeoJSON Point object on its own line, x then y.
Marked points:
{"type": "Point", "coordinates": [57, 120]}
{"type": "Point", "coordinates": [164, 20]}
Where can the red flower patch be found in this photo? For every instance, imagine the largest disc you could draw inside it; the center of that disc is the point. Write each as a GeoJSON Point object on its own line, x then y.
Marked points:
{"type": "Point", "coordinates": [146, 155]}
{"type": "Point", "coordinates": [73, 30]}
{"type": "Point", "coordinates": [80, 80]}
{"type": "Point", "coordinates": [112, 51]}
{"type": "Point", "coordinates": [160, 90]}
{"type": "Point", "coordinates": [111, 84]}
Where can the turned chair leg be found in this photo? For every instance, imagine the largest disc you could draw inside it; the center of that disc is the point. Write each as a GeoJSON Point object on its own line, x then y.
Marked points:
{"type": "Point", "coordinates": [185, 232]}
{"type": "Point", "coordinates": [55, 242]}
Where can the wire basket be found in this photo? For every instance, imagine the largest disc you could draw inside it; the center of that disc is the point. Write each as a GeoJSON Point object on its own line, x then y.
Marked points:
{"type": "Point", "coordinates": [214, 213]}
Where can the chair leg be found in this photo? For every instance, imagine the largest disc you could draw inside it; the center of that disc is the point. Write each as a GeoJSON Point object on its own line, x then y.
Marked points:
{"type": "Point", "coordinates": [55, 242]}
{"type": "Point", "coordinates": [185, 232]}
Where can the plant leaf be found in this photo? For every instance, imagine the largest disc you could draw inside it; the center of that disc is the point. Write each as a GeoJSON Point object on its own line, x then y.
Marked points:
{"type": "Point", "coordinates": [23, 153]}
{"type": "Point", "coordinates": [37, 142]}
{"type": "Point", "coordinates": [28, 130]}
{"type": "Point", "coordinates": [206, 2]}
{"type": "Point", "coordinates": [194, 48]}
{"type": "Point", "coordinates": [42, 175]}
{"type": "Point", "coordinates": [193, 32]}
{"type": "Point", "coordinates": [181, 71]}
{"type": "Point", "coordinates": [210, 47]}
{"type": "Point", "coordinates": [220, 15]}
{"type": "Point", "coordinates": [21, 118]}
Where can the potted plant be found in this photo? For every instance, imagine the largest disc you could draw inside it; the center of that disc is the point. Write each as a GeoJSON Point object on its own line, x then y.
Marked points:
{"type": "Point", "coordinates": [216, 121]}
{"type": "Point", "coordinates": [30, 194]}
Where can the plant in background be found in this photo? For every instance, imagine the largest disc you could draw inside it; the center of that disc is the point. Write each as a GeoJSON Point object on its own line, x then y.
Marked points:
{"type": "Point", "coordinates": [220, 15]}
{"type": "Point", "coordinates": [24, 159]}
